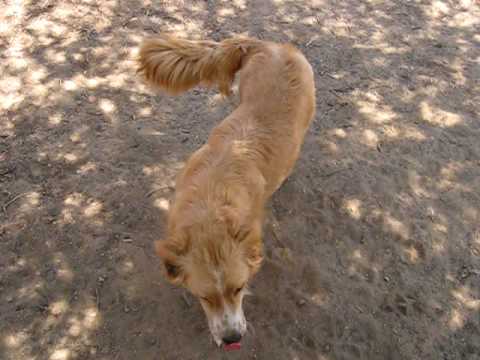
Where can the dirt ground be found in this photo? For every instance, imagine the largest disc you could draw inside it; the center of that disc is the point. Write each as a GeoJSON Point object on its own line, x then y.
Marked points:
{"type": "Point", "coordinates": [372, 245]}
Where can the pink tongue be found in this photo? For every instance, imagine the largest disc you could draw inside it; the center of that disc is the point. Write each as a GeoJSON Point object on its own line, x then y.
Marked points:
{"type": "Point", "coordinates": [233, 346]}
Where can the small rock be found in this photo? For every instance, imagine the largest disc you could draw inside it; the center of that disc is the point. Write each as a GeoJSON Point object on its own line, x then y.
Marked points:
{"type": "Point", "coordinates": [301, 302]}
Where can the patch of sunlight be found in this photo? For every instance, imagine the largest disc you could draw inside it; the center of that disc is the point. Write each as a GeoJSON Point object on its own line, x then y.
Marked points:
{"type": "Point", "coordinates": [357, 254]}
{"type": "Point", "coordinates": [86, 168]}
{"type": "Point", "coordinates": [55, 119]}
{"type": "Point", "coordinates": [391, 131]}
{"type": "Point", "coordinates": [15, 340]}
{"type": "Point", "coordinates": [128, 266]}
{"type": "Point", "coordinates": [331, 147]}
{"type": "Point", "coordinates": [6, 126]}
{"type": "Point", "coordinates": [162, 204]}
{"type": "Point", "coordinates": [43, 26]}
{"type": "Point", "coordinates": [30, 201]}
{"type": "Point", "coordinates": [370, 138]}
{"type": "Point", "coordinates": [94, 82]}
{"type": "Point", "coordinates": [93, 209]}
{"type": "Point", "coordinates": [464, 297]}
{"type": "Point", "coordinates": [134, 39]}
{"type": "Point", "coordinates": [353, 208]}
{"type": "Point", "coordinates": [413, 133]}
{"type": "Point", "coordinates": [226, 12]}
{"type": "Point", "coordinates": [57, 308]}
{"type": "Point", "coordinates": [37, 75]}
{"type": "Point", "coordinates": [464, 19]}
{"type": "Point", "coordinates": [75, 328]}
{"type": "Point", "coordinates": [457, 319]}
{"type": "Point", "coordinates": [319, 298]}
{"type": "Point", "coordinates": [438, 117]}
{"type": "Point", "coordinates": [47, 41]}
{"type": "Point", "coordinates": [241, 4]}
{"type": "Point", "coordinates": [338, 133]}
{"type": "Point", "coordinates": [412, 254]}
{"type": "Point", "coordinates": [439, 8]}
{"type": "Point", "coordinates": [11, 84]}
{"type": "Point", "coordinates": [55, 56]}
{"type": "Point", "coordinates": [150, 132]}
{"type": "Point", "coordinates": [117, 80]}
{"type": "Point", "coordinates": [107, 106]}
{"type": "Point", "coordinates": [8, 101]}
{"type": "Point", "coordinates": [414, 180]}
{"type": "Point", "coordinates": [70, 157]}
{"type": "Point", "coordinates": [440, 228]}
{"type": "Point", "coordinates": [61, 354]}
{"type": "Point", "coordinates": [450, 170]}
{"type": "Point", "coordinates": [64, 271]}
{"type": "Point", "coordinates": [91, 318]}
{"type": "Point", "coordinates": [74, 199]}
{"type": "Point", "coordinates": [145, 111]}
{"type": "Point", "coordinates": [40, 92]}
{"type": "Point", "coordinates": [70, 85]}
{"type": "Point", "coordinates": [311, 20]}
{"type": "Point", "coordinates": [396, 226]}
{"type": "Point", "coordinates": [373, 112]}
{"type": "Point", "coordinates": [66, 217]}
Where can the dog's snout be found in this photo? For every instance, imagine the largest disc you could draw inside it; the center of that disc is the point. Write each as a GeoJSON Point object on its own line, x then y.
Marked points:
{"type": "Point", "coordinates": [232, 338]}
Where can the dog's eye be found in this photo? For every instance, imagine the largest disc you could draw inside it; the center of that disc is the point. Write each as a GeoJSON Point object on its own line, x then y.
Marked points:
{"type": "Point", "coordinates": [237, 290]}
{"type": "Point", "coordinates": [206, 300]}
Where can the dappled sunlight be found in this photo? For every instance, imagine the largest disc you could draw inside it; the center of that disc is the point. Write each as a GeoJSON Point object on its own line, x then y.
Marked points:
{"type": "Point", "coordinates": [29, 202]}
{"type": "Point", "coordinates": [161, 204]}
{"type": "Point", "coordinates": [340, 133]}
{"type": "Point", "coordinates": [374, 110]}
{"type": "Point", "coordinates": [395, 226]}
{"type": "Point", "coordinates": [466, 299]}
{"type": "Point", "coordinates": [416, 183]}
{"type": "Point", "coordinates": [384, 198]}
{"type": "Point", "coordinates": [370, 138]}
{"type": "Point", "coordinates": [456, 320]}
{"type": "Point", "coordinates": [353, 208]}
{"type": "Point", "coordinates": [78, 207]}
{"type": "Point", "coordinates": [438, 117]}
{"type": "Point", "coordinates": [92, 209]}
{"type": "Point", "coordinates": [412, 254]}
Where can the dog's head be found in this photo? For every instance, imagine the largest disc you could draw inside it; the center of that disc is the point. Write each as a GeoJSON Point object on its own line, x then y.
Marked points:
{"type": "Point", "coordinates": [214, 257]}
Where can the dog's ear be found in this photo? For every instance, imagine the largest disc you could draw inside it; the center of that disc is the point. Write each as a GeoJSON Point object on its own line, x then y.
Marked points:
{"type": "Point", "coordinates": [253, 251]}
{"type": "Point", "coordinates": [171, 261]}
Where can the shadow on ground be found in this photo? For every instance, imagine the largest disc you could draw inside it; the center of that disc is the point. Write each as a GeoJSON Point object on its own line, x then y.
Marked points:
{"type": "Point", "coordinates": [373, 244]}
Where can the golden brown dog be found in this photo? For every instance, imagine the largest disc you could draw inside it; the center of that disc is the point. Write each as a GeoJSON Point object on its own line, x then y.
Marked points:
{"type": "Point", "coordinates": [214, 235]}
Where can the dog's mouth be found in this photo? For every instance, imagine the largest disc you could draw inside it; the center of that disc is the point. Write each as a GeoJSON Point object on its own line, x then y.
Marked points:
{"type": "Point", "coordinates": [233, 346]}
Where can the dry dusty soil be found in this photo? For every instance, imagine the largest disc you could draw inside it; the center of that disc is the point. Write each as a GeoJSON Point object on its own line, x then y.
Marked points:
{"type": "Point", "coordinates": [372, 245]}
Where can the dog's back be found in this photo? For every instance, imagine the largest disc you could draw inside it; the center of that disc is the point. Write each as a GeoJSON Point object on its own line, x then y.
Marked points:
{"type": "Point", "coordinates": [277, 94]}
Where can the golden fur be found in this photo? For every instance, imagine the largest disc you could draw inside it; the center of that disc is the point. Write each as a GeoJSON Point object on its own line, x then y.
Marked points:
{"type": "Point", "coordinates": [214, 235]}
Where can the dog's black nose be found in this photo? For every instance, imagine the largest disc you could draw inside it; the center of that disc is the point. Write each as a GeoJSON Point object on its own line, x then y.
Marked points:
{"type": "Point", "coordinates": [232, 338]}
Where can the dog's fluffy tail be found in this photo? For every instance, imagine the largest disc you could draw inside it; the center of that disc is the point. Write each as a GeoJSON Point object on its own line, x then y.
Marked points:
{"type": "Point", "coordinates": [177, 65]}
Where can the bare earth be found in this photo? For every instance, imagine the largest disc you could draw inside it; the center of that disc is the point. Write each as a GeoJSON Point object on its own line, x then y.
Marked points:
{"type": "Point", "coordinates": [373, 244]}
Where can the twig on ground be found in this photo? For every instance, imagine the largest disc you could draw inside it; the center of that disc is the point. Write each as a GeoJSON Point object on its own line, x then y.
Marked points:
{"type": "Point", "coordinates": [10, 202]}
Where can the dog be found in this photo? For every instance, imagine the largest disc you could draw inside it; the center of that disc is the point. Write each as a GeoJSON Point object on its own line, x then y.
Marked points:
{"type": "Point", "coordinates": [213, 245]}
